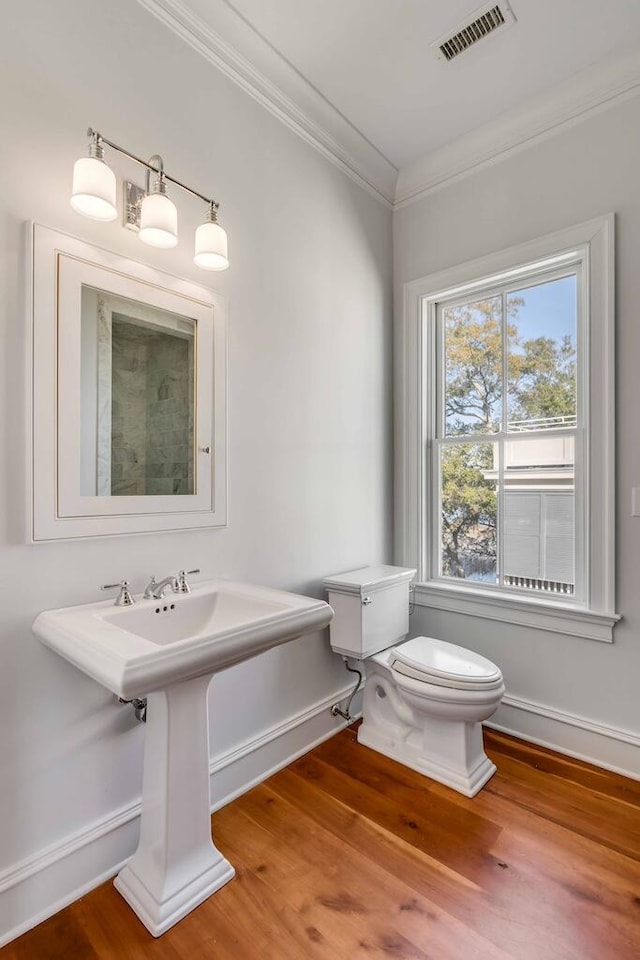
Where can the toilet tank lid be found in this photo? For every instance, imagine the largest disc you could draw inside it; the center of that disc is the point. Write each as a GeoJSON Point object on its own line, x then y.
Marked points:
{"type": "Point", "coordinates": [368, 579]}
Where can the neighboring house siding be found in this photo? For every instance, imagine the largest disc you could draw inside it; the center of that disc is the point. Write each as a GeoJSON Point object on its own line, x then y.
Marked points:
{"type": "Point", "coordinates": [539, 537]}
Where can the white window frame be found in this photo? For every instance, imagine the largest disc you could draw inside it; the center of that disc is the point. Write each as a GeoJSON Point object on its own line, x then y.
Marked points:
{"type": "Point", "coordinates": [592, 613]}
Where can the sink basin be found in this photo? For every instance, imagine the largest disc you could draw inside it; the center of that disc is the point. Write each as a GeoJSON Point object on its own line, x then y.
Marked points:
{"type": "Point", "coordinates": [169, 650]}
{"type": "Point", "coordinates": [135, 650]}
{"type": "Point", "coordinates": [193, 615]}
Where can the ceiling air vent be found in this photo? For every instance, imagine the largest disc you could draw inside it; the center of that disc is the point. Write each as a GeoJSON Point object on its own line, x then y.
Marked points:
{"type": "Point", "coordinates": [478, 25]}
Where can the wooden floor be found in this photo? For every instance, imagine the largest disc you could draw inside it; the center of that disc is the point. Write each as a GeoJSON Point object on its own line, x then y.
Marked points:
{"type": "Point", "coordinates": [346, 854]}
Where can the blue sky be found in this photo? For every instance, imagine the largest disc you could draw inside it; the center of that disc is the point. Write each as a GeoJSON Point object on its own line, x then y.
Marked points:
{"type": "Point", "coordinates": [549, 309]}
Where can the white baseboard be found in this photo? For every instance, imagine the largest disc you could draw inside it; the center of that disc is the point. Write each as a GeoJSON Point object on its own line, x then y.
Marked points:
{"type": "Point", "coordinates": [612, 748]}
{"type": "Point", "coordinates": [52, 878]}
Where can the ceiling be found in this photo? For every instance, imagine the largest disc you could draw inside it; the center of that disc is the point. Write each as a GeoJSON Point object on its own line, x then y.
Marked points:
{"type": "Point", "coordinates": [371, 59]}
{"type": "Point", "coordinates": [364, 70]}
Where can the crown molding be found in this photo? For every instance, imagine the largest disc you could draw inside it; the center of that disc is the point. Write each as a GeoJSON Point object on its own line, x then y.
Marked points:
{"type": "Point", "coordinates": [247, 59]}
{"type": "Point", "coordinates": [592, 90]}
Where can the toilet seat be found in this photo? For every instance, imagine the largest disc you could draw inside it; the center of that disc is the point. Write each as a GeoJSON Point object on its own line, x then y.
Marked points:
{"type": "Point", "coordinates": [443, 664]}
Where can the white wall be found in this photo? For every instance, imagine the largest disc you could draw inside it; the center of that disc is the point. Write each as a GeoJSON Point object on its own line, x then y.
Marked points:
{"type": "Point", "coordinates": [309, 294]}
{"type": "Point", "coordinates": [580, 695]}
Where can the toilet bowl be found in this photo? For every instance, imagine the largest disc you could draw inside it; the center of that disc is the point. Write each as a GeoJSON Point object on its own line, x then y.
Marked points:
{"type": "Point", "coordinates": [424, 699]}
{"type": "Point", "coordinates": [430, 719]}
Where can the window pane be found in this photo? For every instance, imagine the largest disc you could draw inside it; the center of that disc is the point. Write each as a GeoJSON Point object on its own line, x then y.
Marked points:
{"type": "Point", "coordinates": [468, 507]}
{"type": "Point", "coordinates": [539, 514]}
{"type": "Point", "coordinates": [541, 360]}
{"type": "Point", "coordinates": [473, 367]}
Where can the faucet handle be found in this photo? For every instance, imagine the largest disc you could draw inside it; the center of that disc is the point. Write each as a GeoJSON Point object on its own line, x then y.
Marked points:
{"type": "Point", "coordinates": [124, 598]}
{"type": "Point", "coordinates": [183, 586]}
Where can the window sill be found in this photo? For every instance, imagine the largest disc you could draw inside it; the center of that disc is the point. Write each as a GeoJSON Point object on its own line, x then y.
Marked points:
{"type": "Point", "coordinates": [538, 614]}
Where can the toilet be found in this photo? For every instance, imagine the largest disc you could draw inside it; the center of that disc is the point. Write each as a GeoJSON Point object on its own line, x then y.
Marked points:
{"type": "Point", "coordinates": [424, 699]}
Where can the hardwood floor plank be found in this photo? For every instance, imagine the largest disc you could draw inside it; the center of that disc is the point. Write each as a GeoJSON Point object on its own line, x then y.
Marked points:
{"type": "Point", "coordinates": [566, 890]}
{"type": "Point", "coordinates": [458, 837]}
{"type": "Point", "coordinates": [611, 820]}
{"type": "Point", "coordinates": [489, 911]}
{"type": "Point", "coordinates": [340, 891]}
{"type": "Point", "coordinates": [114, 930]}
{"type": "Point", "coordinates": [347, 855]}
{"type": "Point", "coordinates": [547, 761]}
{"type": "Point", "coordinates": [600, 821]}
{"type": "Point", "coordinates": [60, 936]}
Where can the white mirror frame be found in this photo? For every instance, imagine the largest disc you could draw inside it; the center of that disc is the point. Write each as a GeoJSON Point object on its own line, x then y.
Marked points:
{"type": "Point", "coordinates": [59, 266]}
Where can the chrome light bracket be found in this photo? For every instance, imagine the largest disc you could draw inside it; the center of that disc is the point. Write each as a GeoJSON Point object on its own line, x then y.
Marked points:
{"type": "Point", "coordinates": [133, 197]}
{"type": "Point", "coordinates": [139, 705]}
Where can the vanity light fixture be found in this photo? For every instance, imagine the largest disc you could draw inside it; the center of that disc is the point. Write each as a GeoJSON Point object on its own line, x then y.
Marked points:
{"type": "Point", "coordinates": [158, 215]}
{"type": "Point", "coordinates": [211, 243]}
{"type": "Point", "coordinates": [150, 211]}
{"type": "Point", "coordinates": [93, 193]}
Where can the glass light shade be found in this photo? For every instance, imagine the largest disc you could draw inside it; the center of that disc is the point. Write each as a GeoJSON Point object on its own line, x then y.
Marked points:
{"type": "Point", "coordinates": [158, 221]}
{"type": "Point", "coordinates": [93, 193]}
{"type": "Point", "coordinates": [211, 247]}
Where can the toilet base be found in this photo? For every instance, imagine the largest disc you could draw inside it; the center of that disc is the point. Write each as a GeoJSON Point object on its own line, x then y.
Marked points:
{"type": "Point", "coordinates": [433, 729]}
{"type": "Point", "coordinates": [407, 728]}
{"type": "Point", "coordinates": [467, 777]}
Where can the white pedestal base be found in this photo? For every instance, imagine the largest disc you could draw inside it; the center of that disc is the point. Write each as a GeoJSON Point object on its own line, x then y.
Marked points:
{"type": "Point", "coordinates": [176, 865]}
{"type": "Point", "coordinates": [159, 915]}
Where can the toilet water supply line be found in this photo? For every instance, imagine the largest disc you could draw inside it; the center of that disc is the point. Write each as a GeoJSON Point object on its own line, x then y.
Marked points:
{"type": "Point", "coordinates": [336, 710]}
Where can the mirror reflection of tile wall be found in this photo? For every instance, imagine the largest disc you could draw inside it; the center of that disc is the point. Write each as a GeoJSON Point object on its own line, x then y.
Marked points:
{"type": "Point", "coordinates": [152, 417]}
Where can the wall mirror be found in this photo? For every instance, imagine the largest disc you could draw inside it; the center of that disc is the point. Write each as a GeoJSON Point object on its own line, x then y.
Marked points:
{"type": "Point", "coordinates": [128, 395]}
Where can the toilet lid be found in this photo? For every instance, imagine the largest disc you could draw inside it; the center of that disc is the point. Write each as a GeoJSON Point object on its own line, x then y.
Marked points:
{"type": "Point", "coordinates": [446, 664]}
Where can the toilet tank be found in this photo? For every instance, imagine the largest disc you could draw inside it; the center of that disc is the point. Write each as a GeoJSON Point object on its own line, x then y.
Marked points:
{"type": "Point", "coordinates": [371, 607]}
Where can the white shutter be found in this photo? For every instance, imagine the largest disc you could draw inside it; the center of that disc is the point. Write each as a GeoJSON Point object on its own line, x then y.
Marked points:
{"type": "Point", "coordinates": [522, 515]}
{"type": "Point", "coordinates": [559, 539]}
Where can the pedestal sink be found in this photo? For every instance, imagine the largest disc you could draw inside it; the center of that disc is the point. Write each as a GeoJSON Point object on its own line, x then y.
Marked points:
{"type": "Point", "coordinates": [168, 650]}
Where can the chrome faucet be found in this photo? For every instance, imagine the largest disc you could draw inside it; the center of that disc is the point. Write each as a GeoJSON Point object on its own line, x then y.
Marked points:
{"type": "Point", "coordinates": [157, 588]}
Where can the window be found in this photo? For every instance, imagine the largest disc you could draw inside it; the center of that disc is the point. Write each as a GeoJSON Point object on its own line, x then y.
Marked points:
{"type": "Point", "coordinates": [502, 465]}
{"type": "Point", "coordinates": [507, 456]}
